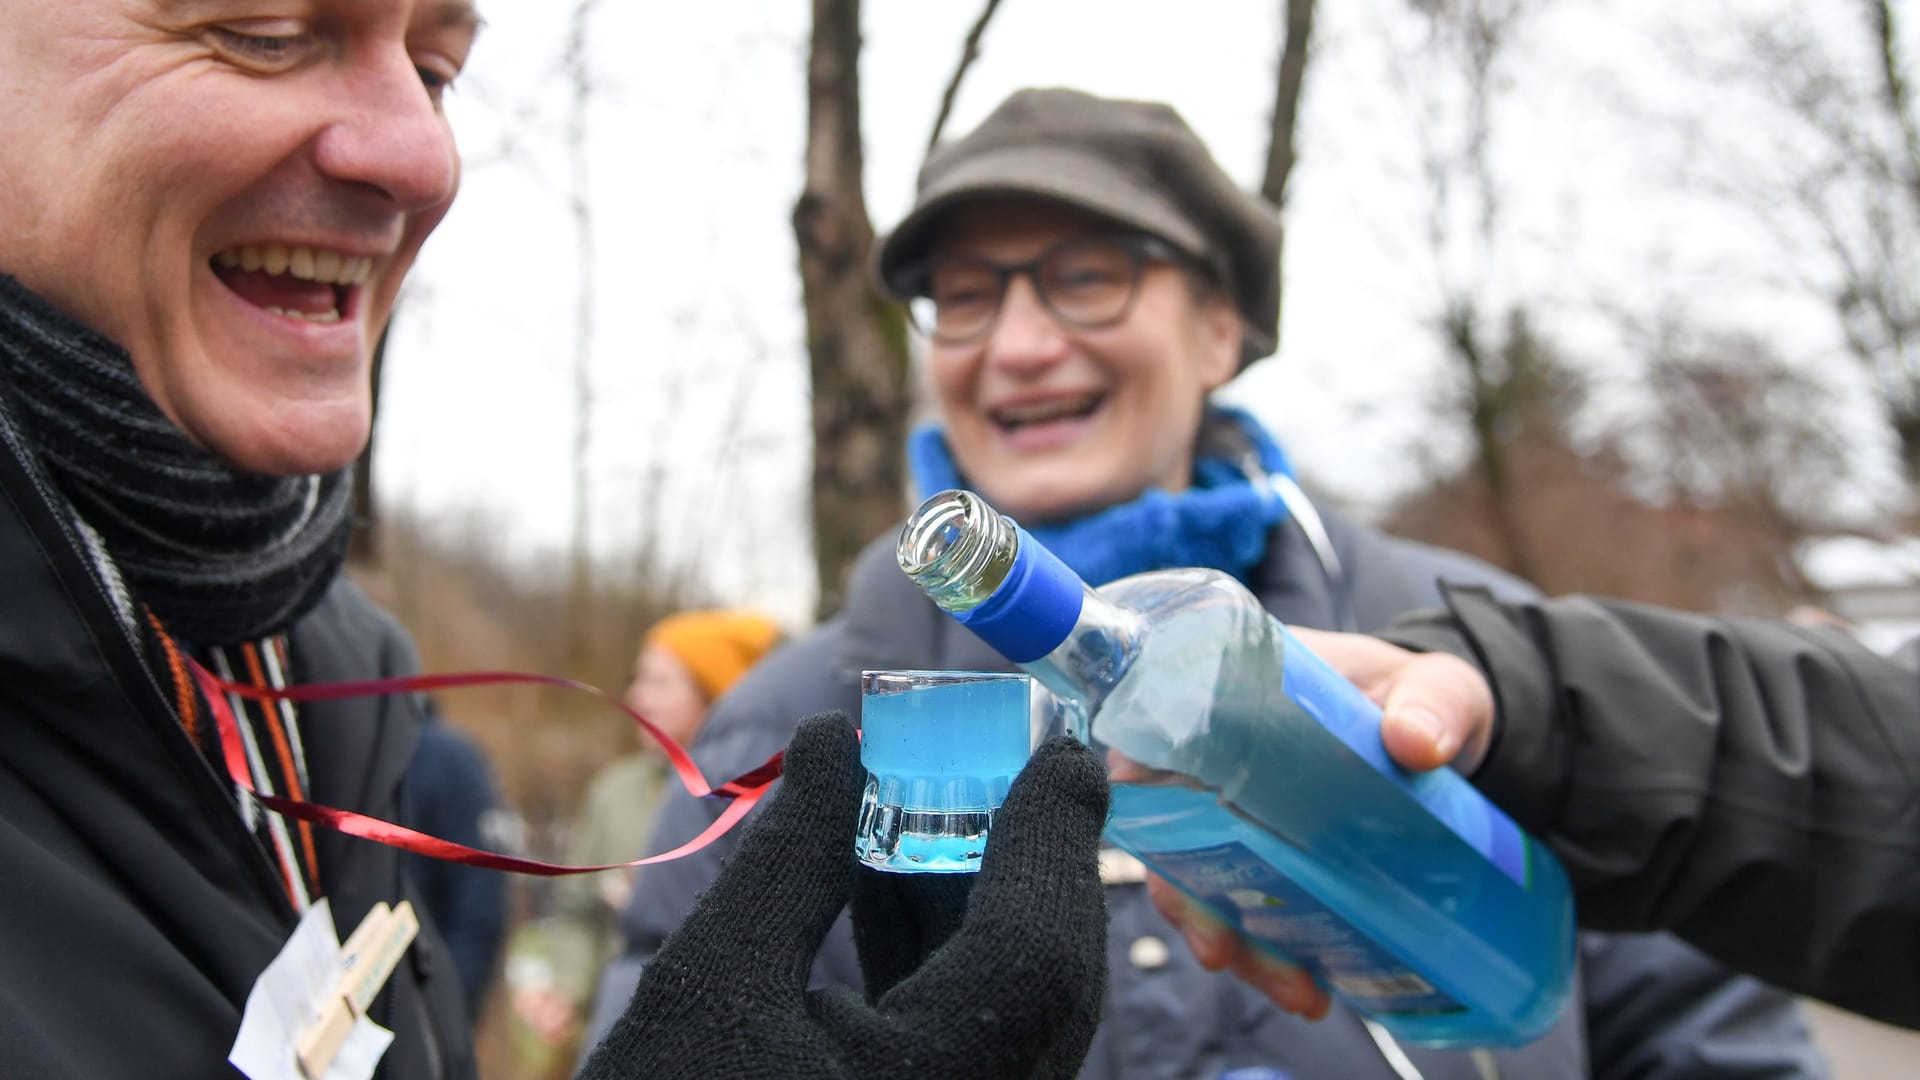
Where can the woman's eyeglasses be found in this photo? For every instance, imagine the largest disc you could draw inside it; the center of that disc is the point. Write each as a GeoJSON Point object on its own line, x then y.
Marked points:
{"type": "Point", "coordinates": [1087, 282]}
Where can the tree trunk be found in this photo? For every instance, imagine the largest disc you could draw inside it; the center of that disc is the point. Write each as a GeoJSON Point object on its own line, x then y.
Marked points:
{"type": "Point", "coordinates": [1883, 27]}
{"type": "Point", "coordinates": [856, 338]}
{"type": "Point", "coordinates": [1488, 409]}
{"type": "Point", "coordinates": [1286, 101]}
{"type": "Point", "coordinates": [1903, 408]}
{"type": "Point", "coordinates": [1286, 120]}
{"type": "Point", "coordinates": [580, 209]}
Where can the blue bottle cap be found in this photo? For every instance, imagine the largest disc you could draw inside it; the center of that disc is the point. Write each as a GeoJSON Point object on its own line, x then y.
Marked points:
{"type": "Point", "coordinates": [1034, 608]}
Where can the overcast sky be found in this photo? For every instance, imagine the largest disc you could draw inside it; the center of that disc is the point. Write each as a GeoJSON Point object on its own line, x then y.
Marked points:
{"type": "Point", "coordinates": [699, 418]}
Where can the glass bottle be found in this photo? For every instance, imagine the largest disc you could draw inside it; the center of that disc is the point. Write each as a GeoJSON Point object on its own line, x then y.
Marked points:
{"type": "Point", "coordinates": [1409, 896]}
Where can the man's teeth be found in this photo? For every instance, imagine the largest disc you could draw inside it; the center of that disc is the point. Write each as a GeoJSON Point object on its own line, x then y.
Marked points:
{"type": "Point", "coordinates": [305, 263]}
{"type": "Point", "coordinates": [329, 316]}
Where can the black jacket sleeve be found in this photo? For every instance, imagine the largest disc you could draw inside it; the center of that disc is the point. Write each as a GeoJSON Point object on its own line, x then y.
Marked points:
{"type": "Point", "coordinates": [1745, 783]}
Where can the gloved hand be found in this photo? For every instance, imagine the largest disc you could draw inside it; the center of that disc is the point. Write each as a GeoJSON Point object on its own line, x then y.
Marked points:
{"type": "Point", "coordinates": [996, 977]}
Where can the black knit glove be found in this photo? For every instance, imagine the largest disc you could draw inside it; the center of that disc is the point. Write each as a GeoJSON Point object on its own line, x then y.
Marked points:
{"type": "Point", "coordinates": [996, 977]}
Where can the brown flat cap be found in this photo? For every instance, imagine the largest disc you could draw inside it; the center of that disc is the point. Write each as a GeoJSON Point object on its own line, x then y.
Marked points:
{"type": "Point", "coordinates": [1135, 162]}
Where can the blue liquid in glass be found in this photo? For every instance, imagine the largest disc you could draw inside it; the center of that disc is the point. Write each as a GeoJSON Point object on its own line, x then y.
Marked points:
{"type": "Point", "coordinates": [941, 750]}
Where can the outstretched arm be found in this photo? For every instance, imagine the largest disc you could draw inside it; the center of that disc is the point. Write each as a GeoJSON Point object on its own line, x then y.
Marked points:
{"type": "Point", "coordinates": [1750, 785]}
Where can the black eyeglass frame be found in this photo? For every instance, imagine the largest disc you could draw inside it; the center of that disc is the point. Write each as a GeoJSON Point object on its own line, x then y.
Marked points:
{"type": "Point", "coordinates": [916, 279]}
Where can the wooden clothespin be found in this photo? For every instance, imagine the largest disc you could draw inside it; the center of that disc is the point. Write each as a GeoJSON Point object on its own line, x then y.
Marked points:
{"type": "Point", "coordinates": [369, 956]}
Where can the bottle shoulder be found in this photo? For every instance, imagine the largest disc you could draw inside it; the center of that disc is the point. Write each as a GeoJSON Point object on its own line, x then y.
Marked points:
{"type": "Point", "coordinates": [1180, 589]}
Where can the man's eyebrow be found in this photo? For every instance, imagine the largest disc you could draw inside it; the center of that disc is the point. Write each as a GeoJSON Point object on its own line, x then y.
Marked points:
{"type": "Point", "coordinates": [461, 14]}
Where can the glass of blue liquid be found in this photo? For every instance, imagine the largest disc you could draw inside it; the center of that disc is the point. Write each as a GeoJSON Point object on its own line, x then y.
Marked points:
{"type": "Point", "coordinates": [941, 749]}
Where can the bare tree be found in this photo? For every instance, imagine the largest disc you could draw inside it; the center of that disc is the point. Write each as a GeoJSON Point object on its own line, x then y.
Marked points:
{"type": "Point", "coordinates": [577, 62]}
{"type": "Point", "coordinates": [1296, 36]}
{"type": "Point", "coordinates": [856, 338]}
{"type": "Point", "coordinates": [1903, 325]}
{"type": "Point", "coordinates": [1740, 428]}
{"type": "Point", "coordinates": [1466, 40]}
{"type": "Point", "coordinates": [1835, 179]}
{"type": "Point", "coordinates": [1296, 33]}
{"type": "Point", "coordinates": [969, 52]}
{"type": "Point", "coordinates": [1882, 28]}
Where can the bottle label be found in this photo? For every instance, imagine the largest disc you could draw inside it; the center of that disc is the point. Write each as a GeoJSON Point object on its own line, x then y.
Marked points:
{"type": "Point", "coordinates": [1355, 720]}
{"type": "Point", "coordinates": [1249, 894]}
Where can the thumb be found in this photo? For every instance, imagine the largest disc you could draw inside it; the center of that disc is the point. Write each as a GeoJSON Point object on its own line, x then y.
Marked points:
{"type": "Point", "coordinates": [1438, 711]}
{"type": "Point", "coordinates": [787, 880]}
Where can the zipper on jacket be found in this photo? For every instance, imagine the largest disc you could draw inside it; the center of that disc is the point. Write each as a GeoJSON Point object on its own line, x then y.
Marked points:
{"type": "Point", "coordinates": [121, 650]}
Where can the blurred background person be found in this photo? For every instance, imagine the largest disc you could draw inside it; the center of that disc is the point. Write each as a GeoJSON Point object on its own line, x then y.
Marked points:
{"type": "Point", "coordinates": [685, 662]}
{"type": "Point", "coordinates": [450, 792]}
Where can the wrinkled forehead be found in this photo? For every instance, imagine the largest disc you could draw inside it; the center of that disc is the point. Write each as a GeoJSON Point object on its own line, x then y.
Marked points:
{"type": "Point", "coordinates": [436, 14]}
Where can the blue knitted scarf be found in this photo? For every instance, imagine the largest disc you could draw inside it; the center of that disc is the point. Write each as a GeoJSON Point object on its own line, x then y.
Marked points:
{"type": "Point", "coordinates": [1221, 522]}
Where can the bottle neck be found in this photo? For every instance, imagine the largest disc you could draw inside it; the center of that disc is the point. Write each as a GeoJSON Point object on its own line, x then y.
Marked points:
{"type": "Point", "coordinates": [1095, 655]}
{"type": "Point", "coordinates": [994, 578]}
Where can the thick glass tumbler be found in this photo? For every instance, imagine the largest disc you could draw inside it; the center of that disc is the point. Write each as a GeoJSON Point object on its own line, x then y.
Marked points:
{"type": "Point", "coordinates": [941, 749]}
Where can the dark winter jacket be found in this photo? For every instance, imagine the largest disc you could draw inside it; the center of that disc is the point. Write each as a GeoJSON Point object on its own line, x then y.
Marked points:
{"type": "Point", "coordinates": [136, 907]}
{"type": "Point", "coordinates": [1751, 785]}
{"type": "Point", "coordinates": [1648, 1006]}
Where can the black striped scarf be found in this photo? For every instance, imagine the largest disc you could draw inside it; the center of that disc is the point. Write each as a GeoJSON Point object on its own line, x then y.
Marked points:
{"type": "Point", "coordinates": [220, 555]}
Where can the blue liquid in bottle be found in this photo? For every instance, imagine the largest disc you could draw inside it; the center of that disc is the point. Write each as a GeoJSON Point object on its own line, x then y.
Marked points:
{"type": "Point", "coordinates": [1410, 897]}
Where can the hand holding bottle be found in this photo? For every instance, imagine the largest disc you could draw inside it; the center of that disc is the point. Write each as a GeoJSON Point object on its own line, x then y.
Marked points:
{"type": "Point", "coordinates": [1407, 895]}
{"type": "Point", "coordinates": [1438, 710]}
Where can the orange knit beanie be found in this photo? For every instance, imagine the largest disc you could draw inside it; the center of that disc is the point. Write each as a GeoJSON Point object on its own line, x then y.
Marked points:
{"type": "Point", "coordinates": [717, 646]}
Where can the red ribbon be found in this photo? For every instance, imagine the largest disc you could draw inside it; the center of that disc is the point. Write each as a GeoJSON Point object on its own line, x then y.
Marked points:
{"type": "Point", "coordinates": [744, 791]}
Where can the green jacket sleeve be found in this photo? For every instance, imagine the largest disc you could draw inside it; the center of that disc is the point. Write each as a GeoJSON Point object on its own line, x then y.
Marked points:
{"type": "Point", "coordinates": [1745, 783]}
{"type": "Point", "coordinates": [615, 816]}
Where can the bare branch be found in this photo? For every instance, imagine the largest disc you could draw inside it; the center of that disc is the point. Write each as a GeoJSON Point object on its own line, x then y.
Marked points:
{"type": "Point", "coordinates": [968, 54]}
{"type": "Point", "coordinates": [578, 65]}
{"type": "Point", "coordinates": [1893, 86]}
{"type": "Point", "coordinates": [1286, 101]}
{"type": "Point", "coordinates": [1296, 33]}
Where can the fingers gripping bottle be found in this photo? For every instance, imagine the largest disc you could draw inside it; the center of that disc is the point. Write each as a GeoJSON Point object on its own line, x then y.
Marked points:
{"type": "Point", "coordinates": [1409, 896]}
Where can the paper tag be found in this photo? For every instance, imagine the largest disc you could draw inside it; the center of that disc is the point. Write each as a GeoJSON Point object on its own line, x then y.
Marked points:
{"type": "Point", "coordinates": [289, 997]}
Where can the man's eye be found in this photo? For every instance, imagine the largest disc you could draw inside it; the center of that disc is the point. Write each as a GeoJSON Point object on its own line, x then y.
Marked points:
{"type": "Point", "coordinates": [436, 82]}
{"type": "Point", "coordinates": [438, 69]}
{"type": "Point", "coordinates": [269, 49]}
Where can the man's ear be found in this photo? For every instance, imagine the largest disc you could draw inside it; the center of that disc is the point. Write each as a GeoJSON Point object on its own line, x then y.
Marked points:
{"type": "Point", "coordinates": [1220, 332]}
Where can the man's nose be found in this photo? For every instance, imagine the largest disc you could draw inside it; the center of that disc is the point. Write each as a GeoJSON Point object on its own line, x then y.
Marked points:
{"type": "Point", "coordinates": [1025, 335]}
{"type": "Point", "coordinates": [390, 134]}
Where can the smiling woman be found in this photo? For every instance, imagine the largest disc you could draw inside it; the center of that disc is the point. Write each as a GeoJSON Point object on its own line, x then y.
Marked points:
{"type": "Point", "coordinates": [1078, 386]}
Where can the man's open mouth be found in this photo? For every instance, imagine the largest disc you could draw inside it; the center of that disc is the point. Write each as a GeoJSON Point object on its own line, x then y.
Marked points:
{"type": "Point", "coordinates": [306, 283]}
{"type": "Point", "coordinates": [1014, 417]}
